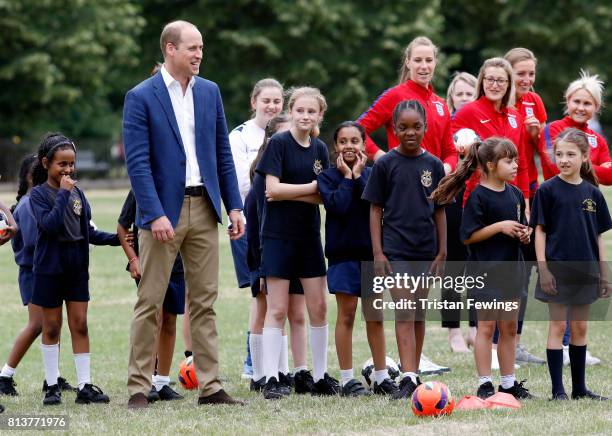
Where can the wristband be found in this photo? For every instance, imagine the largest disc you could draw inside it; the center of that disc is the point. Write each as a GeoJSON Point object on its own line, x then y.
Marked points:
{"type": "Point", "coordinates": [132, 260]}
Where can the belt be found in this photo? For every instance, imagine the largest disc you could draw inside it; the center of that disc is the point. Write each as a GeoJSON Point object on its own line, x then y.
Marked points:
{"type": "Point", "coordinates": [195, 191]}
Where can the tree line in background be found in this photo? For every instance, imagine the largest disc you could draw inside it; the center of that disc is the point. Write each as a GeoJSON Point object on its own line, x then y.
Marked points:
{"type": "Point", "coordinates": [66, 64]}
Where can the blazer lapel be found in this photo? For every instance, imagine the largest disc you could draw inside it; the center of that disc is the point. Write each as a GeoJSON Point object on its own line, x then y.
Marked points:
{"type": "Point", "coordinates": [199, 113]}
{"type": "Point", "coordinates": [161, 92]}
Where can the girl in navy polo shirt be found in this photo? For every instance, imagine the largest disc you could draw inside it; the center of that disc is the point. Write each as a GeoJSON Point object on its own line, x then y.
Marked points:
{"type": "Point", "coordinates": [406, 226]}
{"type": "Point", "coordinates": [291, 236]}
{"type": "Point", "coordinates": [347, 244]}
{"type": "Point", "coordinates": [573, 274]}
{"type": "Point", "coordinates": [61, 262]}
{"type": "Point", "coordinates": [23, 247]}
{"type": "Point", "coordinates": [493, 227]}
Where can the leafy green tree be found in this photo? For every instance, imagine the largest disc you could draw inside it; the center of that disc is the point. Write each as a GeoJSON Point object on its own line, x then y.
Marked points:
{"type": "Point", "coordinates": [60, 60]}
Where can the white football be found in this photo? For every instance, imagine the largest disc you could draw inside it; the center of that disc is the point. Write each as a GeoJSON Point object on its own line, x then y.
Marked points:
{"type": "Point", "coordinates": [91, 246]}
{"type": "Point", "coordinates": [465, 138]}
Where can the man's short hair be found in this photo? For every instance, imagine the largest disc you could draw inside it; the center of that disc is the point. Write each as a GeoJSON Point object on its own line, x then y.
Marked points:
{"type": "Point", "coordinates": [172, 34]}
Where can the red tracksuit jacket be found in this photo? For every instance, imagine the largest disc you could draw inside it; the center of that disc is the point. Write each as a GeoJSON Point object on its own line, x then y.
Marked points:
{"type": "Point", "coordinates": [437, 140]}
{"type": "Point", "coordinates": [531, 105]}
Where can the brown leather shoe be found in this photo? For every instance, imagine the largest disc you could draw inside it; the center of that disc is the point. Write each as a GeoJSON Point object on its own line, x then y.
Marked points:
{"type": "Point", "coordinates": [219, 397]}
{"type": "Point", "coordinates": [138, 401]}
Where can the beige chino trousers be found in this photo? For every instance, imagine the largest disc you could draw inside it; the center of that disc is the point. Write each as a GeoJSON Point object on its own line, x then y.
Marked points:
{"type": "Point", "coordinates": [197, 239]}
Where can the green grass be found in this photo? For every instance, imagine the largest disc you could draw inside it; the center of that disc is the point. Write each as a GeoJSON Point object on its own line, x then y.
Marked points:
{"type": "Point", "coordinates": [113, 298]}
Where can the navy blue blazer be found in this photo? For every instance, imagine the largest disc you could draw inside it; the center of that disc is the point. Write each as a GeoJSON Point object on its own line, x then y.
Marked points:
{"type": "Point", "coordinates": [155, 155]}
{"type": "Point", "coordinates": [49, 217]}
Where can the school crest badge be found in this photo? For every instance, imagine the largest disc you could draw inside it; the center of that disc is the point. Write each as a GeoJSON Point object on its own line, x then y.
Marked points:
{"type": "Point", "coordinates": [426, 179]}
{"type": "Point", "coordinates": [592, 141]}
{"type": "Point", "coordinates": [529, 111]}
{"type": "Point", "coordinates": [439, 108]}
{"type": "Point", "coordinates": [512, 121]}
{"type": "Point", "coordinates": [589, 205]}
{"type": "Point", "coordinates": [317, 167]}
{"type": "Point", "coordinates": [77, 207]}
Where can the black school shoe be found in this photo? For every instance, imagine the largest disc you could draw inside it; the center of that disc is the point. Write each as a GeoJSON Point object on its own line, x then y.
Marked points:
{"type": "Point", "coordinates": [168, 394]}
{"type": "Point", "coordinates": [7, 386]}
{"type": "Point", "coordinates": [91, 394]}
{"type": "Point", "coordinates": [485, 390]}
{"type": "Point", "coordinates": [62, 383]}
{"type": "Point", "coordinates": [53, 396]}
{"type": "Point", "coordinates": [406, 388]}
{"type": "Point", "coordinates": [518, 391]}
{"type": "Point", "coordinates": [354, 388]}
{"type": "Point", "coordinates": [303, 383]}
{"type": "Point", "coordinates": [285, 381]}
{"type": "Point", "coordinates": [273, 390]}
{"type": "Point", "coordinates": [257, 385]}
{"type": "Point", "coordinates": [588, 395]}
{"type": "Point", "coordinates": [387, 387]}
{"type": "Point", "coordinates": [326, 386]}
{"type": "Point", "coordinates": [559, 397]}
{"type": "Point", "coordinates": [152, 396]}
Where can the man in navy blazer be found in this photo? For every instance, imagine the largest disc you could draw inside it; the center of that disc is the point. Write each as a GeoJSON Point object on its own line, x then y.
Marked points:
{"type": "Point", "coordinates": [180, 165]}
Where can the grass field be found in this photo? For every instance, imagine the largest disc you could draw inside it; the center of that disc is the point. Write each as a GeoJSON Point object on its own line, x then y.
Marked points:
{"type": "Point", "coordinates": [113, 297]}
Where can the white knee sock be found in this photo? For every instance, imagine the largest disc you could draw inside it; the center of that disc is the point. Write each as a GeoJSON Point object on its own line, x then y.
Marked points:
{"type": "Point", "coordinates": [283, 362]}
{"type": "Point", "coordinates": [318, 347]}
{"type": "Point", "coordinates": [256, 345]}
{"type": "Point", "coordinates": [51, 362]}
{"type": "Point", "coordinates": [7, 371]}
{"type": "Point", "coordinates": [83, 369]}
{"type": "Point", "coordinates": [272, 344]}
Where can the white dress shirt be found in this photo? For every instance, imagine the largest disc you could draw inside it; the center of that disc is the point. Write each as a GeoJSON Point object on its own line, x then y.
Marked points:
{"type": "Point", "coordinates": [245, 140]}
{"type": "Point", "coordinates": [182, 106]}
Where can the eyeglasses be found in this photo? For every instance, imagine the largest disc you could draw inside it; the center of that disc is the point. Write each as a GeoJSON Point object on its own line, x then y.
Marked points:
{"type": "Point", "coordinates": [492, 80]}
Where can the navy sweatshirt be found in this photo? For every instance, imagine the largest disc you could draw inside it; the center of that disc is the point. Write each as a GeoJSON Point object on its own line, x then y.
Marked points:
{"type": "Point", "coordinates": [25, 239]}
{"type": "Point", "coordinates": [347, 223]}
{"type": "Point", "coordinates": [49, 217]}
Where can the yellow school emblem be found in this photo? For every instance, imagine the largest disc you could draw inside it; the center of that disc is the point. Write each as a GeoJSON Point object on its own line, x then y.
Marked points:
{"type": "Point", "coordinates": [426, 179]}
{"type": "Point", "coordinates": [317, 167]}
{"type": "Point", "coordinates": [77, 207]}
{"type": "Point", "coordinates": [589, 205]}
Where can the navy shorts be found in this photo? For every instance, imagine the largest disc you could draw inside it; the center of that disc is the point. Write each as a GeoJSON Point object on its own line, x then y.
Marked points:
{"type": "Point", "coordinates": [26, 284]}
{"type": "Point", "coordinates": [239, 253]}
{"type": "Point", "coordinates": [71, 284]}
{"type": "Point", "coordinates": [174, 300]}
{"type": "Point", "coordinates": [287, 259]}
{"type": "Point", "coordinates": [345, 278]}
{"type": "Point", "coordinates": [295, 286]}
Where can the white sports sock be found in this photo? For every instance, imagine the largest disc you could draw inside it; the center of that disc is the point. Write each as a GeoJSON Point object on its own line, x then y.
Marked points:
{"type": "Point", "coordinates": [300, 368]}
{"type": "Point", "coordinates": [256, 345]}
{"type": "Point", "coordinates": [482, 379]}
{"type": "Point", "coordinates": [346, 375]}
{"type": "Point", "coordinates": [51, 362]}
{"type": "Point", "coordinates": [161, 381]}
{"type": "Point", "coordinates": [272, 344]}
{"type": "Point", "coordinates": [7, 371]}
{"type": "Point", "coordinates": [83, 369]}
{"type": "Point", "coordinates": [507, 381]}
{"type": "Point", "coordinates": [412, 375]}
{"type": "Point", "coordinates": [381, 375]}
{"type": "Point", "coordinates": [318, 347]}
{"type": "Point", "coordinates": [283, 362]}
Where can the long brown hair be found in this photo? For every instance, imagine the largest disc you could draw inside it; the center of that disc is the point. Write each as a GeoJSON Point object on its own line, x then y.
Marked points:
{"type": "Point", "coordinates": [580, 140]}
{"type": "Point", "coordinates": [490, 150]}
{"type": "Point", "coordinates": [416, 42]}
{"type": "Point", "coordinates": [509, 97]}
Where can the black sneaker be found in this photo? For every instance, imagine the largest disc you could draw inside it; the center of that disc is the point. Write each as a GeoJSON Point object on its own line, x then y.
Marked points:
{"type": "Point", "coordinates": [559, 397]}
{"type": "Point", "coordinates": [303, 382]}
{"type": "Point", "coordinates": [485, 390]}
{"type": "Point", "coordinates": [326, 386]}
{"type": "Point", "coordinates": [257, 385]}
{"type": "Point", "coordinates": [53, 396]}
{"type": "Point", "coordinates": [273, 390]}
{"type": "Point", "coordinates": [588, 395]}
{"type": "Point", "coordinates": [518, 391]}
{"type": "Point", "coordinates": [387, 387]}
{"type": "Point", "coordinates": [62, 383]}
{"type": "Point", "coordinates": [152, 396]}
{"type": "Point", "coordinates": [285, 382]}
{"type": "Point", "coordinates": [91, 394]}
{"type": "Point", "coordinates": [406, 388]}
{"type": "Point", "coordinates": [168, 394]}
{"type": "Point", "coordinates": [7, 386]}
{"type": "Point", "coordinates": [354, 388]}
